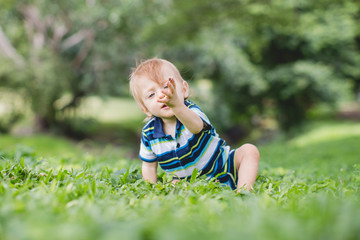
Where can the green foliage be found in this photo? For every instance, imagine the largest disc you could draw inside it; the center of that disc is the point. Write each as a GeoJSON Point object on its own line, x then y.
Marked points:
{"type": "Point", "coordinates": [295, 196]}
{"type": "Point", "coordinates": [250, 50]}
{"type": "Point", "coordinates": [299, 86]}
{"type": "Point", "coordinates": [44, 145]}
{"type": "Point", "coordinates": [62, 52]}
{"type": "Point", "coordinates": [11, 110]}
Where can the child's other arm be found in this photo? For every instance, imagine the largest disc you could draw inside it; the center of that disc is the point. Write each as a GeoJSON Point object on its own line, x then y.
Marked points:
{"type": "Point", "coordinates": [185, 115]}
{"type": "Point", "coordinates": [149, 171]}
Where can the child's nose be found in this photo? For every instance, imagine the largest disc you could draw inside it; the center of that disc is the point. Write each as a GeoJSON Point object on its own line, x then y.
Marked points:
{"type": "Point", "coordinates": [160, 95]}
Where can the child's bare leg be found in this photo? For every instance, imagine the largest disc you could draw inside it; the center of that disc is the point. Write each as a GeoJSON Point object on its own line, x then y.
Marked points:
{"type": "Point", "coordinates": [247, 164]}
{"type": "Point", "coordinates": [174, 181]}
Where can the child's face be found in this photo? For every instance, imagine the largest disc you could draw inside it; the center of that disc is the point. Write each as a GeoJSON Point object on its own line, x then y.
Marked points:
{"type": "Point", "coordinates": [151, 92]}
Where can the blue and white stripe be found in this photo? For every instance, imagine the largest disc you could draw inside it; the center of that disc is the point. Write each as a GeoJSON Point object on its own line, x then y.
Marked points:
{"type": "Point", "coordinates": [179, 156]}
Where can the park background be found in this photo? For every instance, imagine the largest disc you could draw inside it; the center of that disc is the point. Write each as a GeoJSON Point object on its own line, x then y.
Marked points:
{"type": "Point", "coordinates": [282, 74]}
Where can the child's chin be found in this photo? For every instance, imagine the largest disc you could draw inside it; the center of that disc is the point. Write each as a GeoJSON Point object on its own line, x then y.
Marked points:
{"type": "Point", "coordinates": [168, 114]}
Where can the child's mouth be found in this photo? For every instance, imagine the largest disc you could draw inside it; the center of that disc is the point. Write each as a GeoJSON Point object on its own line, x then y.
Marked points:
{"type": "Point", "coordinates": [164, 106]}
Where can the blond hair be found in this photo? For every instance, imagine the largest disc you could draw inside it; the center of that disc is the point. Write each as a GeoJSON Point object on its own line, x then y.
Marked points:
{"type": "Point", "coordinates": [153, 69]}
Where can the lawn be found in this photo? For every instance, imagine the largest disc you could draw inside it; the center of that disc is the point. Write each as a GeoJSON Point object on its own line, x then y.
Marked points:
{"type": "Point", "coordinates": [308, 188]}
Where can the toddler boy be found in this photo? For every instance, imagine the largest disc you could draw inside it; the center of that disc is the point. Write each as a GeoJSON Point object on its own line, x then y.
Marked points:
{"type": "Point", "coordinates": [178, 135]}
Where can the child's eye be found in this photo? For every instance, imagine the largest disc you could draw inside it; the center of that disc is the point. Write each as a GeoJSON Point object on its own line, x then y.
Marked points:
{"type": "Point", "coordinates": [151, 95]}
{"type": "Point", "coordinates": [166, 86]}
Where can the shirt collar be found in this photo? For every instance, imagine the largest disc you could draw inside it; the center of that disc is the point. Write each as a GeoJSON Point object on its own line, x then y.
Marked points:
{"type": "Point", "coordinates": [158, 127]}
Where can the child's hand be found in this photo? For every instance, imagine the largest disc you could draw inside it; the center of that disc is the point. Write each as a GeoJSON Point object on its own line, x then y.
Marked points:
{"type": "Point", "coordinates": [170, 97]}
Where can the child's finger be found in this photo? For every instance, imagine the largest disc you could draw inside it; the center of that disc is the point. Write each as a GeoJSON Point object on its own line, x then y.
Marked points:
{"type": "Point", "coordinates": [167, 92]}
{"type": "Point", "coordinates": [162, 100]}
{"type": "Point", "coordinates": [163, 96]}
{"type": "Point", "coordinates": [172, 84]}
{"type": "Point", "coordinates": [169, 87]}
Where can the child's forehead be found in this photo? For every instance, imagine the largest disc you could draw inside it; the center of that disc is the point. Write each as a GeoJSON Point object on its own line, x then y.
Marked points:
{"type": "Point", "coordinates": [167, 69]}
{"type": "Point", "coordinates": [145, 83]}
{"type": "Point", "coordinates": [161, 75]}
{"type": "Point", "coordinates": [151, 79]}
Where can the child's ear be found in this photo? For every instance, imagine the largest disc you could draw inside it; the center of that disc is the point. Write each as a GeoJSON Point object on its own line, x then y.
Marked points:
{"type": "Point", "coordinates": [186, 89]}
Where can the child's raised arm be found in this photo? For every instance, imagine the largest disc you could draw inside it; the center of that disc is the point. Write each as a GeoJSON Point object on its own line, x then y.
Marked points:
{"type": "Point", "coordinates": [186, 116]}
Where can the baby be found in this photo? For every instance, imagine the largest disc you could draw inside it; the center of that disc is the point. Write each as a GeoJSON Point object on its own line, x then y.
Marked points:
{"type": "Point", "coordinates": [178, 135]}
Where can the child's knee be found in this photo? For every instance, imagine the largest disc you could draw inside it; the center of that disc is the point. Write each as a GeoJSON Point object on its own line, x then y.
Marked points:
{"type": "Point", "coordinates": [250, 150]}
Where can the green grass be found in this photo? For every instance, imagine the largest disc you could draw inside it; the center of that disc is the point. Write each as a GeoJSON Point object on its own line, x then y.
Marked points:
{"type": "Point", "coordinates": [328, 148]}
{"type": "Point", "coordinates": [308, 188]}
{"type": "Point", "coordinates": [44, 145]}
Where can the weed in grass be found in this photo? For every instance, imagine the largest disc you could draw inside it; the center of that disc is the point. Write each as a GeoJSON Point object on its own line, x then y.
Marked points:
{"type": "Point", "coordinates": [295, 197]}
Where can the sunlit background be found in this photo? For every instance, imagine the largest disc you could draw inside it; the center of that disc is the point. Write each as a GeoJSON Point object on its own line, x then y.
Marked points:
{"type": "Point", "coordinates": [257, 68]}
{"type": "Point", "coordinates": [281, 74]}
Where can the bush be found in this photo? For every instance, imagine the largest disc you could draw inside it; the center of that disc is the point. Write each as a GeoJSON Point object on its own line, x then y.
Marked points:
{"type": "Point", "coordinates": [297, 87]}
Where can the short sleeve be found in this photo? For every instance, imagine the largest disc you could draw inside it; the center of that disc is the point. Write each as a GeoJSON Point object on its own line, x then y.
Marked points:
{"type": "Point", "coordinates": [201, 114]}
{"type": "Point", "coordinates": [146, 154]}
{"type": "Point", "coordinates": [207, 124]}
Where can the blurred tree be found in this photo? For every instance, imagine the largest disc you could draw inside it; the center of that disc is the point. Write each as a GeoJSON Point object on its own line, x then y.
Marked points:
{"type": "Point", "coordinates": [261, 51]}
{"type": "Point", "coordinates": [293, 54]}
{"type": "Point", "coordinates": [63, 48]}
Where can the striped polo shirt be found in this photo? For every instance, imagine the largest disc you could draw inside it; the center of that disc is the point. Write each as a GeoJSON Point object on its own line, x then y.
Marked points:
{"type": "Point", "coordinates": [181, 154]}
